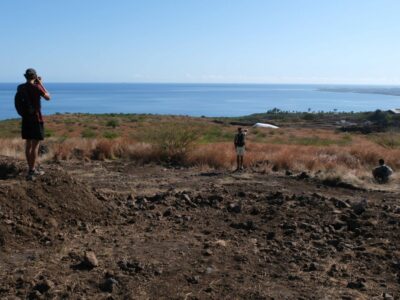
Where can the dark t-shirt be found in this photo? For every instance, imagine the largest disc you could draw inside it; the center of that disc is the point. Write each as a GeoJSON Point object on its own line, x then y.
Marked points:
{"type": "Point", "coordinates": [240, 139]}
{"type": "Point", "coordinates": [34, 91]}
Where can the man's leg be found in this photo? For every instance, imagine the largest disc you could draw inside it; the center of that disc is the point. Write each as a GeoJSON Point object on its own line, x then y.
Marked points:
{"type": "Point", "coordinates": [33, 153]}
{"type": "Point", "coordinates": [241, 162]}
{"type": "Point", "coordinates": [237, 162]}
{"type": "Point", "coordinates": [28, 146]}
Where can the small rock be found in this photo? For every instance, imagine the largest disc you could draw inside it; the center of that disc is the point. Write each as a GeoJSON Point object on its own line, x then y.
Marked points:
{"type": "Point", "coordinates": [248, 225]}
{"type": "Point", "coordinates": [90, 260]}
{"type": "Point", "coordinates": [52, 223]}
{"type": "Point", "coordinates": [387, 296]}
{"type": "Point", "coordinates": [303, 175]}
{"type": "Point", "coordinates": [8, 222]}
{"type": "Point", "coordinates": [35, 295]}
{"type": "Point", "coordinates": [193, 279]}
{"type": "Point", "coordinates": [359, 208]}
{"type": "Point", "coordinates": [44, 286]}
{"type": "Point", "coordinates": [270, 235]}
{"type": "Point", "coordinates": [108, 285]}
{"type": "Point", "coordinates": [255, 211]}
{"type": "Point", "coordinates": [207, 252]}
{"type": "Point", "coordinates": [315, 267]}
{"type": "Point", "coordinates": [333, 271]}
{"type": "Point", "coordinates": [292, 277]}
{"type": "Point", "coordinates": [221, 243]}
{"type": "Point", "coordinates": [210, 270]}
{"type": "Point", "coordinates": [358, 285]}
{"type": "Point", "coordinates": [188, 200]}
{"type": "Point", "coordinates": [339, 203]}
{"type": "Point", "coordinates": [338, 224]}
{"type": "Point", "coordinates": [158, 271]}
{"type": "Point", "coordinates": [352, 224]}
{"type": "Point", "coordinates": [235, 208]}
{"type": "Point", "coordinates": [131, 266]}
{"type": "Point", "coordinates": [241, 194]}
{"type": "Point", "coordinates": [396, 210]}
{"type": "Point", "coordinates": [168, 212]}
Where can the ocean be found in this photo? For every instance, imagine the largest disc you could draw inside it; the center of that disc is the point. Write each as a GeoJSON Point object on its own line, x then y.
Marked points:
{"type": "Point", "coordinates": [209, 100]}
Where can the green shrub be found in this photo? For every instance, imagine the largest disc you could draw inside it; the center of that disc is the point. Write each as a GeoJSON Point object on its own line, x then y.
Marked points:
{"type": "Point", "coordinates": [88, 133]}
{"type": "Point", "coordinates": [172, 141]}
{"type": "Point", "coordinates": [110, 135]}
{"type": "Point", "coordinates": [112, 123]}
{"type": "Point", "coordinates": [48, 132]}
{"type": "Point", "coordinates": [215, 134]}
{"type": "Point", "coordinates": [310, 117]}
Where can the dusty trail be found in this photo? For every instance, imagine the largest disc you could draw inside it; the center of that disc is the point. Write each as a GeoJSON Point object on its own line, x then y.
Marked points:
{"type": "Point", "coordinates": [189, 234]}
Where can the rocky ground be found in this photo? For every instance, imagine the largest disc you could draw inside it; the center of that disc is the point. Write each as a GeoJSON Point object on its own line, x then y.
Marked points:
{"type": "Point", "coordinates": [115, 230]}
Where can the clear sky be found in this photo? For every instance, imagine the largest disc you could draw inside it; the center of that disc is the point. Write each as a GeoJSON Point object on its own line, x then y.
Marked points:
{"type": "Point", "coordinates": [260, 41]}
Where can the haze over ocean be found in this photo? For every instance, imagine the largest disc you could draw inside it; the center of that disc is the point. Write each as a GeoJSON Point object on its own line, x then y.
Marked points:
{"type": "Point", "coordinates": [195, 99]}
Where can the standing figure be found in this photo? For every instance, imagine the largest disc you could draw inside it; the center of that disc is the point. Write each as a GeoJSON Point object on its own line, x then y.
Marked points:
{"type": "Point", "coordinates": [27, 102]}
{"type": "Point", "coordinates": [240, 142]}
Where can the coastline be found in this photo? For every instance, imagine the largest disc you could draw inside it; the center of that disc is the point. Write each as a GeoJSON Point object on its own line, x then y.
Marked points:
{"type": "Point", "coordinates": [388, 91]}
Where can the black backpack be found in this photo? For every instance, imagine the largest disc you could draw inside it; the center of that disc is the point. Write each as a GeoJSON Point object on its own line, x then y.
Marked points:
{"type": "Point", "coordinates": [22, 101]}
{"type": "Point", "coordinates": [240, 140]}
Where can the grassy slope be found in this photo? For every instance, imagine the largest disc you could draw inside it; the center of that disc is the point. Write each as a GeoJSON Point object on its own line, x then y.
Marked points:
{"type": "Point", "coordinates": [300, 144]}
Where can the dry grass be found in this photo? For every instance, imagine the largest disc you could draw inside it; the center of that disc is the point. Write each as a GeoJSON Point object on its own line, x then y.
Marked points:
{"type": "Point", "coordinates": [364, 155]}
{"type": "Point", "coordinates": [315, 151]}
{"type": "Point", "coordinates": [13, 147]}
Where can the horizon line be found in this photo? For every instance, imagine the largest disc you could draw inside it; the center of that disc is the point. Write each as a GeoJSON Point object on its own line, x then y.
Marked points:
{"type": "Point", "coordinates": [210, 83]}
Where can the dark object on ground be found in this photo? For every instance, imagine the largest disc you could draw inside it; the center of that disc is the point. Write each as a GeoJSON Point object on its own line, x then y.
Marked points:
{"type": "Point", "coordinates": [8, 169]}
{"type": "Point", "coordinates": [303, 175]}
{"type": "Point", "coordinates": [382, 173]}
{"type": "Point", "coordinates": [337, 182]}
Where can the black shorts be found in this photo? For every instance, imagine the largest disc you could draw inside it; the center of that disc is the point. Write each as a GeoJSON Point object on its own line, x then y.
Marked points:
{"type": "Point", "coordinates": [32, 130]}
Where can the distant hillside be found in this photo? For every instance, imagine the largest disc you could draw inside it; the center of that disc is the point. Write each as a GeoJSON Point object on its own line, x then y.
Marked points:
{"type": "Point", "coordinates": [391, 91]}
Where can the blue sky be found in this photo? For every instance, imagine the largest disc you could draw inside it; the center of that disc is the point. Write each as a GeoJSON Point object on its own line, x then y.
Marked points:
{"type": "Point", "coordinates": [260, 41]}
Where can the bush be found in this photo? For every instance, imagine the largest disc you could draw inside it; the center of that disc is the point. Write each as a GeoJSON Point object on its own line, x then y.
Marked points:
{"type": "Point", "coordinates": [113, 123]}
{"type": "Point", "coordinates": [310, 117]}
{"type": "Point", "coordinates": [48, 132]}
{"type": "Point", "coordinates": [379, 117]}
{"type": "Point", "coordinates": [172, 141]}
{"type": "Point", "coordinates": [88, 133]}
{"type": "Point", "coordinates": [103, 150]}
{"type": "Point", "coordinates": [110, 135]}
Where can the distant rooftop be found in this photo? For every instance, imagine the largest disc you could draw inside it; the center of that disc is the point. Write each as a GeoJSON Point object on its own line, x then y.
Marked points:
{"type": "Point", "coordinates": [395, 111]}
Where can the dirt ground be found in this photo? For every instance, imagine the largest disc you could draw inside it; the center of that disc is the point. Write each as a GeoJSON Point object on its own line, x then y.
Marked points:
{"type": "Point", "coordinates": [115, 230]}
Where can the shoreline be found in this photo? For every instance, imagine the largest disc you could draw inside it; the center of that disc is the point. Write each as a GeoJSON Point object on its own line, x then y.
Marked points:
{"type": "Point", "coordinates": [258, 114]}
{"type": "Point", "coordinates": [389, 91]}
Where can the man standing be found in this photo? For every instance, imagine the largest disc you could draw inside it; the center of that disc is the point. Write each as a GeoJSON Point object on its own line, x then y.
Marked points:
{"type": "Point", "coordinates": [32, 119]}
{"type": "Point", "coordinates": [240, 142]}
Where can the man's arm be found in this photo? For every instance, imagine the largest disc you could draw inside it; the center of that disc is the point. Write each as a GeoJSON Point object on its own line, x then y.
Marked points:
{"type": "Point", "coordinates": [46, 94]}
{"type": "Point", "coordinates": [390, 170]}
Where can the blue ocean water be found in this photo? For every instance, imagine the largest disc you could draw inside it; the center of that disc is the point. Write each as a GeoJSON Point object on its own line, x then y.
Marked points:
{"type": "Point", "coordinates": [194, 99]}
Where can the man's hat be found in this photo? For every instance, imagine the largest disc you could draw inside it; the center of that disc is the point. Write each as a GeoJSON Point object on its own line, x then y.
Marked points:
{"type": "Point", "coordinates": [30, 73]}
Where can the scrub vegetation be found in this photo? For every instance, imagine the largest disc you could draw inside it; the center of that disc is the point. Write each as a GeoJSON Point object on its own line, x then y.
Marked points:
{"type": "Point", "coordinates": [206, 142]}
